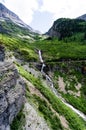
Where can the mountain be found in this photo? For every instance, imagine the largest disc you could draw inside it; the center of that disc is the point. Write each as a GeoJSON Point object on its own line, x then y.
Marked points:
{"type": "Point", "coordinates": [42, 81]}
{"type": "Point", "coordinates": [83, 17]}
{"type": "Point", "coordinates": [65, 27]}
{"type": "Point", "coordinates": [6, 14]}
{"type": "Point", "coordinates": [11, 24]}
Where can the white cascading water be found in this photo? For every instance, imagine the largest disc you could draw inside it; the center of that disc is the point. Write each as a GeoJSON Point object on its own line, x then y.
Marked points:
{"type": "Point", "coordinates": [42, 70]}
{"type": "Point", "coordinates": [43, 65]}
{"type": "Point", "coordinates": [55, 91]}
{"type": "Point", "coordinates": [40, 57]}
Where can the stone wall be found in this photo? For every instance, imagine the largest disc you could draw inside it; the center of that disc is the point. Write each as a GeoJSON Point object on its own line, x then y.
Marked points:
{"type": "Point", "coordinates": [12, 91]}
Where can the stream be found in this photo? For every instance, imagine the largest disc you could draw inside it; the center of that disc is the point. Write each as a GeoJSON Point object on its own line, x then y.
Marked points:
{"type": "Point", "coordinates": [82, 115]}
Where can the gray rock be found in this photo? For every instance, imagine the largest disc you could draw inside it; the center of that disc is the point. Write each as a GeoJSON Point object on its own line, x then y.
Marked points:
{"type": "Point", "coordinates": [2, 53]}
{"type": "Point", "coordinates": [2, 127]}
{"type": "Point", "coordinates": [3, 102]}
{"type": "Point", "coordinates": [6, 14]}
{"type": "Point", "coordinates": [11, 94]}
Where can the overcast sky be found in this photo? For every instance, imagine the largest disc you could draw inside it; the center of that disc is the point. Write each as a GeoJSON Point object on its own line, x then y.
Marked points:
{"type": "Point", "coordinates": [40, 14]}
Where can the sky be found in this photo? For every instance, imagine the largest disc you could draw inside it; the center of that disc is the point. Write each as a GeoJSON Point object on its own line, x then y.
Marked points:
{"type": "Point", "coordinates": [40, 14]}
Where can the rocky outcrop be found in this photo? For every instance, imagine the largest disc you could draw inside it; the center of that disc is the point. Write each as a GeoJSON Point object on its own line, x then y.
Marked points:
{"type": "Point", "coordinates": [53, 33]}
{"type": "Point", "coordinates": [11, 94]}
{"type": "Point", "coordinates": [33, 120]}
{"type": "Point", "coordinates": [2, 53]}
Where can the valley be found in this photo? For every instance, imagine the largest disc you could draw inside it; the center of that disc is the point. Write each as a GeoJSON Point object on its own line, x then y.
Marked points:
{"type": "Point", "coordinates": [51, 74]}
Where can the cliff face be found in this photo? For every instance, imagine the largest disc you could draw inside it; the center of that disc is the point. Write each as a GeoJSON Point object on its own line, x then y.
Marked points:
{"type": "Point", "coordinates": [11, 93]}
{"type": "Point", "coordinates": [2, 53]}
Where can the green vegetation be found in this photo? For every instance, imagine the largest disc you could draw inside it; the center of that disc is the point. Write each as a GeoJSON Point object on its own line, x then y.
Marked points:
{"type": "Point", "coordinates": [19, 121]}
{"type": "Point", "coordinates": [72, 75]}
{"type": "Point", "coordinates": [72, 46]}
{"type": "Point", "coordinates": [48, 114]}
{"type": "Point", "coordinates": [20, 47]}
{"type": "Point", "coordinates": [67, 53]}
{"type": "Point", "coordinates": [55, 50]}
{"type": "Point", "coordinates": [12, 29]}
{"type": "Point", "coordinates": [77, 102]}
{"type": "Point", "coordinates": [74, 121]}
{"type": "Point", "coordinates": [67, 27]}
{"type": "Point", "coordinates": [44, 108]}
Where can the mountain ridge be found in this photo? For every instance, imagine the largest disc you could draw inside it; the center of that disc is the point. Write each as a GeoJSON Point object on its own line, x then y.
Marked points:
{"type": "Point", "coordinates": [51, 73]}
{"type": "Point", "coordinates": [6, 14]}
{"type": "Point", "coordinates": [83, 17]}
{"type": "Point", "coordinates": [66, 27]}
{"type": "Point", "coordinates": [5, 11]}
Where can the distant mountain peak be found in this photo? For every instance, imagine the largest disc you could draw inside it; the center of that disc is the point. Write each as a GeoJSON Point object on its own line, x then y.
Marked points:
{"type": "Point", "coordinates": [2, 6]}
{"type": "Point", "coordinates": [6, 14]}
{"type": "Point", "coordinates": [83, 17]}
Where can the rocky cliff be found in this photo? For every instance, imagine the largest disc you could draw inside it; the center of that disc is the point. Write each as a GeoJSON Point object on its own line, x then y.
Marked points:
{"type": "Point", "coordinates": [11, 92]}
{"type": "Point", "coordinates": [2, 53]}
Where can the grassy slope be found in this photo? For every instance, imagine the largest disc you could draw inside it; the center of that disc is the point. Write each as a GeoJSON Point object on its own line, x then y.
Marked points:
{"type": "Point", "coordinates": [71, 77]}
{"type": "Point", "coordinates": [54, 50]}
{"type": "Point", "coordinates": [20, 47]}
{"type": "Point", "coordinates": [74, 121]}
{"type": "Point", "coordinates": [10, 28]}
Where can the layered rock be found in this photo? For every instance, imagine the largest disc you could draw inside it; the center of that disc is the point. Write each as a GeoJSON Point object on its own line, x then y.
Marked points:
{"type": "Point", "coordinates": [11, 94]}
{"type": "Point", "coordinates": [2, 53]}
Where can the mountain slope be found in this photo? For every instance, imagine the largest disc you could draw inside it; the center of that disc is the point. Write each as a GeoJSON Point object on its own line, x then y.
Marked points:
{"type": "Point", "coordinates": [6, 14]}
{"type": "Point", "coordinates": [83, 17]}
{"type": "Point", "coordinates": [54, 73]}
{"type": "Point", "coordinates": [65, 27]}
{"type": "Point", "coordinates": [11, 24]}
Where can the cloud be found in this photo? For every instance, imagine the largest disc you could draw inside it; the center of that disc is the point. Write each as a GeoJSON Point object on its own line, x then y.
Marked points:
{"type": "Point", "coordinates": [64, 8]}
{"type": "Point", "coordinates": [2, 1]}
{"type": "Point", "coordinates": [23, 8]}
{"type": "Point", "coordinates": [59, 8]}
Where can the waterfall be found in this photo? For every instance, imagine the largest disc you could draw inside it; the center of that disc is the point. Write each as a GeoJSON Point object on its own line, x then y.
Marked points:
{"type": "Point", "coordinates": [55, 91]}
{"type": "Point", "coordinates": [40, 57]}
{"type": "Point", "coordinates": [43, 65]}
{"type": "Point", "coordinates": [42, 70]}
